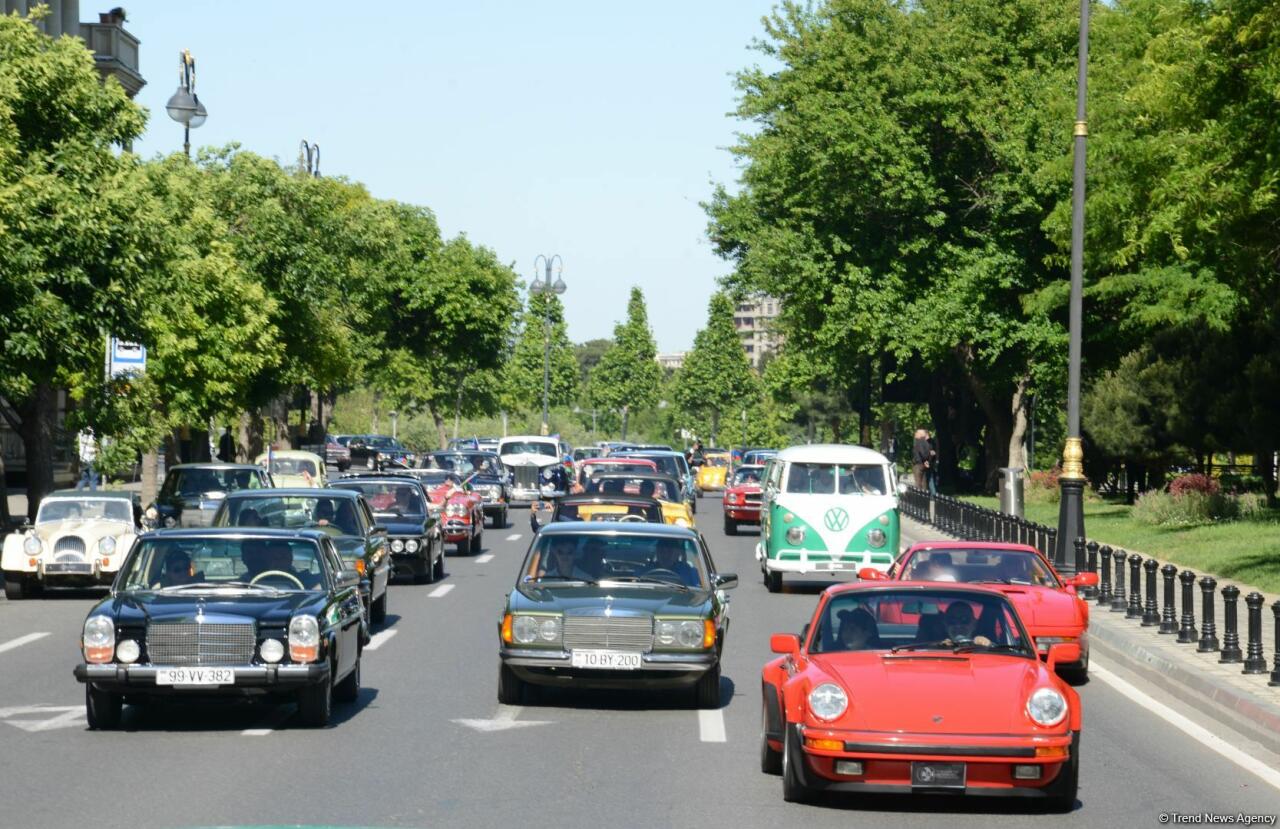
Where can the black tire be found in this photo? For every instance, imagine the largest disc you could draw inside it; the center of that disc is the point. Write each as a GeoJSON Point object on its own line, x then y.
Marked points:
{"type": "Point", "coordinates": [102, 708]}
{"type": "Point", "coordinates": [773, 581]}
{"type": "Point", "coordinates": [693, 506]}
{"type": "Point", "coordinates": [348, 690]}
{"type": "Point", "coordinates": [1077, 674]}
{"type": "Point", "coordinates": [730, 527]}
{"type": "Point", "coordinates": [504, 523]}
{"type": "Point", "coordinates": [706, 693]}
{"type": "Point", "coordinates": [793, 789]}
{"type": "Point", "coordinates": [427, 573]}
{"type": "Point", "coordinates": [477, 542]}
{"type": "Point", "coordinates": [378, 611]}
{"type": "Point", "coordinates": [770, 758]}
{"type": "Point", "coordinates": [438, 566]}
{"type": "Point", "coordinates": [315, 704]}
{"type": "Point", "coordinates": [512, 690]}
{"type": "Point", "coordinates": [1063, 790]}
{"type": "Point", "coordinates": [13, 589]}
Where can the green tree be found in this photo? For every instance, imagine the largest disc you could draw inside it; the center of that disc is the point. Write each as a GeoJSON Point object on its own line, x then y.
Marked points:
{"type": "Point", "coordinates": [716, 378]}
{"type": "Point", "coordinates": [524, 371]}
{"type": "Point", "coordinates": [627, 376]}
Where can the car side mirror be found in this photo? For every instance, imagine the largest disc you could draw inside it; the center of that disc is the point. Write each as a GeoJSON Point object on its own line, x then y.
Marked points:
{"type": "Point", "coordinates": [1063, 654]}
{"type": "Point", "coordinates": [726, 581]}
{"type": "Point", "coordinates": [379, 530]}
{"type": "Point", "coordinates": [348, 578]}
{"type": "Point", "coordinates": [871, 574]}
{"type": "Point", "coordinates": [785, 643]}
{"type": "Point", "coordinates": [1083, 580]}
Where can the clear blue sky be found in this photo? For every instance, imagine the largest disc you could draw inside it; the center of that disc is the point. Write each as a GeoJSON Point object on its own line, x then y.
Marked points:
{"type": "Point", "coordinates": [588, 129]}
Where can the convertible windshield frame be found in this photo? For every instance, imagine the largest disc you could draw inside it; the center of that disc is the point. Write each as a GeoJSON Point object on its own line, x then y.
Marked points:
{"type": "Point", "coordinates": [49, 507]}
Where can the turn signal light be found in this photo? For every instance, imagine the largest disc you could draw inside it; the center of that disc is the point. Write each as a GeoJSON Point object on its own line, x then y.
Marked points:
{"type": "Point", "coordinates": [708, 633]}
{"type": "Point", "coordinates": [360, 567]}
{"type": "Point", "coordinates": [1051, 751]}
{"type": "Point", "coordinates": [99, 656]}
{"type": "Point", "coordinates": [506, 628]}
{"type": "Point", "coordinates": [824, 745]}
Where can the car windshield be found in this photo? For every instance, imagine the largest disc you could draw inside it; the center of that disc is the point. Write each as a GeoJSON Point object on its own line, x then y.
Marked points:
{"type": "Point", "coordinates": [84, 509]}
{"type": "Point", "coordinates": [823, 478]}
{"type": "Point", "coordinates": [293, 466]}
{"type": "Point", "coordinates": [662, 489]}
{"type": "Point", "coordinates": [667, 464]}
{"type": "Point", "coordinates": [715, 460]}
{"type": "Point", "coordinates": [757, 457]}
{"type": "Point", "coordinates": [195, 481]}
{"type": "Point", "coordinates": [597, 557]}
{"type": "Point", "coordinates": [383, 442]}
{"type": "Point", "coordinates": [387, 498]}
{"type": "Point", "coordinates": [607, 511]}
{"type": "Point", "coordinates": [917, 620]}
{"type": "Point", "coordinates": [286, 564]}
{"type": "Point", "coordinates": [747, 475]}
{"type": "Point", "coordinates": [991, 566]}
{"type": "Point", "coordinates": [291, 512]}
{"type": "Point", "coordinates": [459, 463]}
{"type": "Point", "coordinates": [529, 447]}
{"type": "Point", "coordinates": [432, 477]}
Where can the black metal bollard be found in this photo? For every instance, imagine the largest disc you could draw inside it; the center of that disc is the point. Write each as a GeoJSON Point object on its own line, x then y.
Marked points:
{"type": "Point", "coordinates": [1230, 632]}
{"type": "Point", "coordinates": [1187, 628]}
{"type": "Point", "coordinates": [1168, 613]}
{"type": "Point", "coordinates": [1254, 661]}
{"type": "Point", "coordinates": [1077, 554]}
{"type": "Point", "coordinates": [1118, 600]}
{"type": "Point", "coordinates": [1134, 610]}
{"type": "Point", "coordinates": [1104, 585]}
{"type": "Point", "coordinates": [1208, 627]}
{"type": "Point", "coordinates": [1150, 610]}
{"type": "Point", "coordinates": [1090, 592]}
{"type": "Point", "coordinates": [1275, 657]}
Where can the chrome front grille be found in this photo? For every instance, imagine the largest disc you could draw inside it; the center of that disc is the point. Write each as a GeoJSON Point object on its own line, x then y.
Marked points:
{"type": "Point", "coordinates": [69, 544]}
{"type": "Point", "coordinates": [526, 476]}
{"type": "Point", "coordinates": [753, 499]}
{"type": "Point", "coordinates": [189, 643]}
{"type": "Point", "coordinates": [626, 633]}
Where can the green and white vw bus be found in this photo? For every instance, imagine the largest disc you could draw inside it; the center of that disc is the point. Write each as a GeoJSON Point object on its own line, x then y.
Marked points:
{"type": "Point", "coordinates": [827, 508]}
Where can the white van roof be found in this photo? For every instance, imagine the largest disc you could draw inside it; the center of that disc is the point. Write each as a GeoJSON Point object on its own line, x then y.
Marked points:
{"type": "Point", "coordinates": [832, 453]}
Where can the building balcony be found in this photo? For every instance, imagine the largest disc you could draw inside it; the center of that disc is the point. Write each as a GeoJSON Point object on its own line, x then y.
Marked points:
{"type": "Point", "coordinates": [115, 52]}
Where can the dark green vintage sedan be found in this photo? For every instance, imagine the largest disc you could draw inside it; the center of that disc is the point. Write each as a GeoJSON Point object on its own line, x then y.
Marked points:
{"type": "Point", "coordinates": [615, 606]}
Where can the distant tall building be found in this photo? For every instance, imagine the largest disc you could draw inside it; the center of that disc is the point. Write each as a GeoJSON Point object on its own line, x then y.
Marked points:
{"type": "Point", "coordinates": [672, 360]}
{"type": "Point", "coordinates": [114, 50]}
{"type": "Point", "coordinates": [754, 320]}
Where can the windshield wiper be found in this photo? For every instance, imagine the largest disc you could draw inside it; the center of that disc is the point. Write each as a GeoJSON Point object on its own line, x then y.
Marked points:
{"type": "Point", "coordinates": [205, 585]}
{"type": "Point", "coordinates": [971, 646]}
{"type": "Point", "coordinates": [1000, 581]}
{"type": "Point", "coordinates": [941, 644]}
{"type": "Point", "coordinates": [566, 579]}
{"type": "Point", "coordinates": [649, 580]}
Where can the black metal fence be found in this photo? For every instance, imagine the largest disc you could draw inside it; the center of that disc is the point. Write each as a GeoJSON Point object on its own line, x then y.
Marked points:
{"type": "Point", "coordinates": [967, 520]}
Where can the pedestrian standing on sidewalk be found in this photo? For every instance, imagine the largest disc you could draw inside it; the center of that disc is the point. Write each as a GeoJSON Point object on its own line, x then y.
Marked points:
{"type": "Point", "coordinates": [88, 451]}
{"type": "Point", "coordinates": [227, 446]}
{"type": "Point", "coordinates": [931, 466]}
{"type": "Point", "coordinates": [920, 458]}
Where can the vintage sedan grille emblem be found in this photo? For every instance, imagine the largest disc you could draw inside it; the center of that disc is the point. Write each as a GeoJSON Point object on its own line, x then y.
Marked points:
{"type": "Point", "coordinates": [836, 519]}
{"type": "Point", "coordinates": [925, 774]}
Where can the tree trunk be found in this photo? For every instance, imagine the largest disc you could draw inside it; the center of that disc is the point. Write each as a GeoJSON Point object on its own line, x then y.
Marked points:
{"type": "Point", "coordinates": [4, 495]}
{"type": "Point", "coordinates": [252, 442]}
{"type": "Point", "coordinates": [438, 420]}
{"type": "Point", "coordinates": [39, 413]}
{"type": "Point", "coordinates": [1265, 460]}
{"type": "Point", "coordinates": [1021, 411]}
{"type": "Point", "coordinates": [996, 438]}
{"type": "Point", "coordinates": [626, 414]}
{"type": "Point", "coordinates": [715, 425]}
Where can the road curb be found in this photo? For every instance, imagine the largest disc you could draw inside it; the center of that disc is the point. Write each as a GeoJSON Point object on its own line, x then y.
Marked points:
{"type": "Point", "coordinates": [1249, 715]}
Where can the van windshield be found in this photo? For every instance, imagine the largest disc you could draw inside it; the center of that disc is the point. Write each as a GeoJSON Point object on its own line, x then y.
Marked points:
{"type": "Point", "coordinates": [829, 479]}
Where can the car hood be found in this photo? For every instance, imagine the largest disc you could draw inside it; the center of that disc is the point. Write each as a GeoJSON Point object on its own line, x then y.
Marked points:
{"type": "Point", "coordinates": [935, 693]}
{"type": "Point", "coordinates": [529, 459]}
{"type": "Point", "coordinates": [350, 547]}
{"type": "Point", "coordinates": [1043, 606]}
{"type": "Point", "coordinates": [403, 526]}
{"type": "Point", "coordinates": [620, 600]}
{"type": "Point", "coordinates": [88, 529]}
{"type": "Point", "coordinates": [143, 607]}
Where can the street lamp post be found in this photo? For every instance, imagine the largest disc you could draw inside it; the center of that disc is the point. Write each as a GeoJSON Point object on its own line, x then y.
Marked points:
{"type": "Point", "coordinates": [309, 158]}
{"type": "Point", "coordinates": [1072, 480]}
{"type": "Point", "coordinates": [546, 286]}
{"type": "Point", "coordinates": [184, 105]}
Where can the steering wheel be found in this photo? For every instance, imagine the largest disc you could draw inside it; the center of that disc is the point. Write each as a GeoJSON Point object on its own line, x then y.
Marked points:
{"type": "Point", "coordinates": [662, 571]}
{"type": "Point", "coordinates": [290, 576]}
{"type": "Point", "coordinates": [631, 519]}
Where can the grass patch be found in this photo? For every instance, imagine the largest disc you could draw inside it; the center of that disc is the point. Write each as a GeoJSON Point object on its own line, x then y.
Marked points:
{"type": "Point", "coordinates": [1245, 550]}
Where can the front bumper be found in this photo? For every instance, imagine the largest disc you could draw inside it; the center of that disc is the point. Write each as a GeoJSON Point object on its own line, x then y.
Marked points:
{"type": "Point", "coordinates": [824, 562]}
{"type": "Point", "coordinates": [741, 513]}
{"type": "Point", "coordinates": [657, 670]}
{"type": "Point", "coordinates": [250, 679]}
{"type": "Point", "coordinates": [456, 530]}
{"type": "Point", "coordinates": [525, 495]}
{"type": "Point", "coordinates": [495, 507]}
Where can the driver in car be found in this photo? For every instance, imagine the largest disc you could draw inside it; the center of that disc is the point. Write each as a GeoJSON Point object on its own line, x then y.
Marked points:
{"type": "Point", "coordinates": [669, 556]}
{"type": "Point", "coordinates": [273, 556]}
{"type": "Point", "coordinates": [962, 626]}
{"type": "Point", "coordinates": [563, 562]}
{"type": "Point", "coordinates": [176, 570]}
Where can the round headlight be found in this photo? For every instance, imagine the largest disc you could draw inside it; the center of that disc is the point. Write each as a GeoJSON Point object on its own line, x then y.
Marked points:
{"type": "Point", "coordinates": [549, 630]}
{"type": "Point", "coordinates": [524, 629]}
{"type": "Point", "coordinates": [99, 632]}
{"type": "Point", "coordinates": [690, 634]}
{"type": "Point", "coordinates": [271, 650]}
{"type": "Point", "coordinates": [397, 546]}
{"type": "Point", "coordinates": [795, 535]}
{"type": "Point", "coordinates": [1047, 707]}
{"type": "Point", "coordinates": [304, 631]}
{"type": "Point", "coordinates": [828, 701]}
{"type": "Point", "coordinates": [107, 545]}
{"type": "Point", "coordinates": [455, 509]}
{"type": "Point", "coordinates": [32, 546]}
{"type": "Point", "coordinates": [667, 632]}
{"type": "Point", "coordinates": [411, 545]}
{"type": "Point", "coordinates": [128, 651]}
{"type": "Point", "coordinates": [876, 538]}
{"type": "Point", "coordinates": [547, 474]}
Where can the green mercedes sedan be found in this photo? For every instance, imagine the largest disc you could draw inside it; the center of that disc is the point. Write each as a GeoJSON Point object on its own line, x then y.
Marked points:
{"type": "Point", "coordinates": [615, 606]}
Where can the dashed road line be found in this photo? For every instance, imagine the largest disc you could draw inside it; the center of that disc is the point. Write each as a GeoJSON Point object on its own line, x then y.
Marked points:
{"type": "Point", "coordinates": [484, 559]}
{"type": "Point", "coordinates": [514, 537]}
{"type": "Point", "coordinates": [22, 640]}
{"type": "Point", "coordinates": [711, 725]}
{"type": "Point", "coordinates": [379, 639]}
{"type": "Point", "coordinates": [442, 590]}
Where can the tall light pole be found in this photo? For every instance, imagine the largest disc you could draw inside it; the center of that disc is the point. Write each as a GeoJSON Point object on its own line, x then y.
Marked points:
{"type": "Point", "coordinates": [184, 105]}
{"type": "Point", "coordinates": [309, 158]}
{"type": "Point", "coordinates": [547, 287]}
{"type": "Point", "coordinates": [1072, 481]}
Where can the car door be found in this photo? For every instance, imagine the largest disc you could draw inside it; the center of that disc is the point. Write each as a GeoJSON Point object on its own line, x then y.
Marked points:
{"type": "Point", "coordinates": [720, 597]}
{"type": "Point", "coordinates": [350, 610]}
{"type": "Point", "coordinates": [771, 483]}
{"type": "Point", "coordinates": [376, 544]}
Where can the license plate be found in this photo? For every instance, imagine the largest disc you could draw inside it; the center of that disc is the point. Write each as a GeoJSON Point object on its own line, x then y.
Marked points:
{"type": "Point", "coordinates": [835, 565]}
{"type": "Point", "coordinates": [938, 775]}
{"type": "Point", "coordinates": [68, 567]}
{"type": "Point", "coordinates": [195, 676]}
{"type": "Point", "coordinates": [605, 660]}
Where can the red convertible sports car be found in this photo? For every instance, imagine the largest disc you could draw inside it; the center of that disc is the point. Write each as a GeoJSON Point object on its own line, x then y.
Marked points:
{"type": "Point", "coordinates": [909, 687]}
{"type": "Point", "coordinates": [742, 498]}
{"type": "Point", "coordinates": [461, 508]}
{"type": "Point", "coordinates": [1047, 603]}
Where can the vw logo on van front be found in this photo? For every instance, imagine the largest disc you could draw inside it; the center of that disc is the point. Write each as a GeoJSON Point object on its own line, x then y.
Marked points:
{"type": "Point", "coordinates": [836, 519]}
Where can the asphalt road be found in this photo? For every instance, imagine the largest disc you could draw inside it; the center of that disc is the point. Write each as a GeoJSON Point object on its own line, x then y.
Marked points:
{"type": "Point", "coordinates": [401, 756]}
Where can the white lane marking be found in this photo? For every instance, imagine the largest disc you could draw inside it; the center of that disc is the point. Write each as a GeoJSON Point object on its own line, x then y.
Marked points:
{"type": "Point", "coordinates": [269, 724]}
{"type": "Point", "coordinates": [711, 725]}
{"type": "Point", "coordinates": [484, 559]}
{"type": "Point", "coordinates": [514, 537]}
{"type": "Point", "coordinates": [502, 721]}
{"type": "Point", "coordinates": [379, 639]}
{"type": "Point", "coordinates": [64, 716]}
{"type": "Point", "coordinates": [1193, 730]}
{"type": "Point", "coordinates": [21, 640]}
{"type": "Point", "coordinates": [442, 590]}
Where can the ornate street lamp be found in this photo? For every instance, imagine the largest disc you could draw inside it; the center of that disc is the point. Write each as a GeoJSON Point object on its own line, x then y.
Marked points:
{"type": "Point", "coordinates": [184, 105]}
{"type": "Point", "coordinates": [546, 286]}
{"type": "Point", "coordinates": [309, 158]}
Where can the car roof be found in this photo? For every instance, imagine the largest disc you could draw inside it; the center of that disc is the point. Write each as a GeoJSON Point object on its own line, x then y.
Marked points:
{"type": "Point", "coordinates": [245, 532]}
{"type": "Point", "coordinates": [291, 453]}
{"type": "Point", "coordinates": [463, 452]}
{"type": "Point", "coordinates": [831, 453]}
{"type": "Point", "coordinates": [657, 453]}
{"type": "Point", "coordinates": [635, 500]}
{"type": "Point", "coordinates": [383, 477]}
{"type": "Point", "coordinates": [944, 544]}
{"type": "Point", "coordinates": [743, 466]}
{"type": "Point", "coordinates": [623, 459]}
{"type": "Point", "coordinates": [920, 586]}
{"type": "Point", "coordinates": [538, 438]}
{"type": "Point", "coordinates": [291, 492]}
{"type": "Point", "coordinates": [613, 528]}
{"type": "Point", "coordinates": [213, 465]}
{"type": "Point", "coordinates": [91, 493]}
{"type": "Point", "coordinates": [636, 476]}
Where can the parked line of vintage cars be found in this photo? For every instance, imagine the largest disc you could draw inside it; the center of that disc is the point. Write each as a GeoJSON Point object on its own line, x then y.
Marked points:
{"type": "Point", "coordinates": [944, 668]}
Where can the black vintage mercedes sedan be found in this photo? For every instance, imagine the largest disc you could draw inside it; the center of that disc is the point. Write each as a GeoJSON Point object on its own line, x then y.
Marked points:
{"type": "Point", "coordinates": [615, 605]}
{"type": "Point", "coordinates": [225, 612]}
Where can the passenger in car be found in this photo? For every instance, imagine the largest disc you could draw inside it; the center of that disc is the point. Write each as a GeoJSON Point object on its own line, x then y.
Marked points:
{"type": "Point", "coordinates": [858, 630]}
{"type": "Point", "coordinates": [669, 555]}
{"type": "Point", "coordinates": [962, 626]}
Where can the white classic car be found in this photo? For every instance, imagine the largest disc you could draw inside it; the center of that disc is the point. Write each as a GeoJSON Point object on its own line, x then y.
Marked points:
{"type": "Point", "coordinates": [292, 468]}
{"type": "Point", "coordinates": [79, 539]}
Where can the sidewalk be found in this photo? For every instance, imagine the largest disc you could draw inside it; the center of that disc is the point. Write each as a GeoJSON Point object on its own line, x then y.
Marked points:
{"type": "Point", "coordinates": [1245, 703]}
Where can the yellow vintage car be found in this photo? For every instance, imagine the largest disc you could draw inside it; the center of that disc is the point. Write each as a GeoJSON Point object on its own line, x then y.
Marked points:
{"type": "Point", "coordinates": [294, 468]}
{"type": "Point", "coordinates": [714, 472]}
{"type": "Point", "coordinates": [659, 487]}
